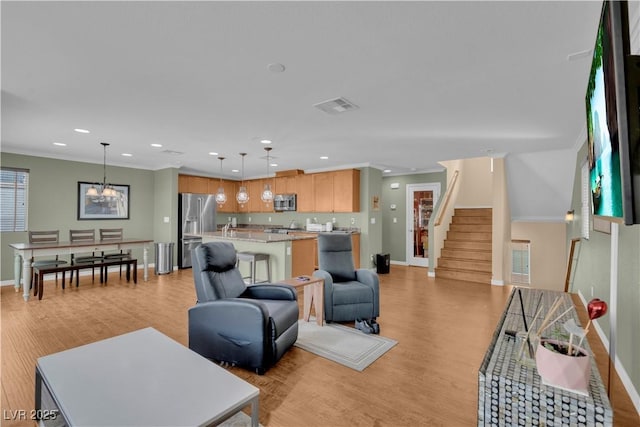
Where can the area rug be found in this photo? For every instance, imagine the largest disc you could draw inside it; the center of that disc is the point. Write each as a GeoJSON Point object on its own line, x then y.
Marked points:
{"type": "Point", "coordinates": [342, 344]}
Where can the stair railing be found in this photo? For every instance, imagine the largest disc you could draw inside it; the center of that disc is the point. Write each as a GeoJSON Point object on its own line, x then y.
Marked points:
{"type": "Point", "coordinates": [447, 198]}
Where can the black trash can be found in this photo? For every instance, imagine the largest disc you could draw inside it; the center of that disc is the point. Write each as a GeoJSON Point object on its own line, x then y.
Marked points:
{"type": "Point", "coordinates": [382, 263]}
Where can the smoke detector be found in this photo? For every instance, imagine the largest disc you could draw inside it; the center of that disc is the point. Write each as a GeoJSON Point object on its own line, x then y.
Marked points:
{"type": "Point", "coordinates": [336, 106]}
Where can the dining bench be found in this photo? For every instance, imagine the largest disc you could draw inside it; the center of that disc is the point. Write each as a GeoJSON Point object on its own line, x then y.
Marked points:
{"type": "Point", "coordinates": [39, 272]}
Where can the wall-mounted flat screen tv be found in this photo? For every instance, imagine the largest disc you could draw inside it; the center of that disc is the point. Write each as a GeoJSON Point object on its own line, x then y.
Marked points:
{"type": "Point", "coordinates": [613, 119]}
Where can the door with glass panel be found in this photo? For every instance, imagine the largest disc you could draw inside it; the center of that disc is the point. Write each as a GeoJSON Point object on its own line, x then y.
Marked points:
{"type": "Point", "coordinates": [421, 199]}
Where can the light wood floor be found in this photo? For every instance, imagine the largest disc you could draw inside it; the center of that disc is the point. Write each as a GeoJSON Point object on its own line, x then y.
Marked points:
{"type": "Point", "coordinates": [429, 379]}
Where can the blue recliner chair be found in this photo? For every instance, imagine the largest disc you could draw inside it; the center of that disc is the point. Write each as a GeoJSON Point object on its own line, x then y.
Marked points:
{"type": "Point", "coordinates": [248, 326]}
{"type": "Point", "coordinates": [349, 294]}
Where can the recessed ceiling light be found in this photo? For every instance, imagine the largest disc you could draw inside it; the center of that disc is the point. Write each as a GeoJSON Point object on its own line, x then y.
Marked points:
{"type": "Point", "coordinates": [265, 141]}
{"type": "Point", "coordinates": [235, 170]}
{"type": "Point", "coordinates": [386, 171]}
{"type": "Point", "coordinates": [274, 165]}
{"type": "Point", "coordinates": [324, 157]}
{"type": "Point", "coordinates": [156, 145]}
{"type": "Point", "coordinates": [127, 155]}
{"type": "Point", "coordinates": [81, 130]}
{"type": "Point", "coordinates": [60, 144]}
{"type": "Point", "coordinates": [213, 153]}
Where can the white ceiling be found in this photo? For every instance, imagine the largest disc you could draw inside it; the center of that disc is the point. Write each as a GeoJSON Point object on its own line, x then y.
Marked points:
{"type": "Point", "coordinates": [433, 80]}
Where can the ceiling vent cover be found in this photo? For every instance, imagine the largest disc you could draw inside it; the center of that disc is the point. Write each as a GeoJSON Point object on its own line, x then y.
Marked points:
{"type": "Point", "coordinates": [336, 106]}
{"type": "Point", "coordinates": [173, 152]}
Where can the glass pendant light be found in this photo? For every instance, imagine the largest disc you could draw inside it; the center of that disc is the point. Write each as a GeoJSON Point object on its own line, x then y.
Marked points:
{"type": "Point", "coordinates": [105, 189]}
{"type": "Point", "coordinates": [267, 194]}
{"type": "Point", "coordinates": [221, 198]}
{"type": "Point", "coordinates": [243, 196]}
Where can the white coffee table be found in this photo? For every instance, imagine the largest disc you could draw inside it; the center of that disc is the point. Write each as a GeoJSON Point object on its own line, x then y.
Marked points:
{"type": "Point", "coordinates": [142, 378]}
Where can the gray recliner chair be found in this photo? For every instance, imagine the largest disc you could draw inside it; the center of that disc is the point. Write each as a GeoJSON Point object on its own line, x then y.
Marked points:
{"type": "Point", "coordinates": [248, 326]}
{"type": "Point", "coordinates": [349, 294]}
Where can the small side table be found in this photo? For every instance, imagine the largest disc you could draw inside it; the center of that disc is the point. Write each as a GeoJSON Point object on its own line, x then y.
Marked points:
{"type": "Point", "coordinates": [313, 295]}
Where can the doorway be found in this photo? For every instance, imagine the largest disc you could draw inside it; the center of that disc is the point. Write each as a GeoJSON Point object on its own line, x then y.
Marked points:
{"type": "Point", "coordinates": [421, 199]}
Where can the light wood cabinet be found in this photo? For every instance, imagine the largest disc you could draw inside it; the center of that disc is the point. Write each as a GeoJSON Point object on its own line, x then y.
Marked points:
{"type": "Point", "coordinates": [285, 185]}
{"type": "Point", "coordinates": [346, 190]}
{"type": "Point", "coordinates": [193, 184]}
{"type": "Point", "coordinates": [255, 188]}
{"type": "Point", "coordinates": [323, 192]}
{"type": "Point", "coordinates": [303, 257]}
{"type": "Point", "coordinates": [229, 187]}
{"type": "Point", "coordinates": [304, 190]}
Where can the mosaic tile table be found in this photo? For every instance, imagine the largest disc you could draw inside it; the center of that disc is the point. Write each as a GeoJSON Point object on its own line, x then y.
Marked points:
{"type": "Point", "coordinates": [510, 391]}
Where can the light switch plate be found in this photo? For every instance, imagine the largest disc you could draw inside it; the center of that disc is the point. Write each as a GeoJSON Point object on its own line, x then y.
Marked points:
{"type": "Point", "coordinates": [166, 219]}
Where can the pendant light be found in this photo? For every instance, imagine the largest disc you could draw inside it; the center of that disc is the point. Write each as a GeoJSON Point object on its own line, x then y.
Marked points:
{"type": "Point", "coordinates": [242, 197]}
{"type": "Point", "coordinates": [221, 198]}
{"type": "Point", "coordinates": [104, 190]}
{"type": "Point", "coordinates": [267, 194]}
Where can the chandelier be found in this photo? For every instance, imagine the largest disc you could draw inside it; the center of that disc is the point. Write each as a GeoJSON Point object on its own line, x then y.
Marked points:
{"type": "Point", "coordinates": [267, 194]}
{"type": "Point", "coordinates": [103, 190]}
{"type": "Point", "coordinates": [221, 198]}
{"type": "Point", "coordinates": [243, 196]}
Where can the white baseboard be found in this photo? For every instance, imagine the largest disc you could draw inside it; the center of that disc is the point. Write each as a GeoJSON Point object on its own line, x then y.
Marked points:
{"type": "Point", "coordinates": [622, 373]}
{"type": "Point", "coordinates": [392, 262]}
{"type": "Point", "coordinates": [431, 273]}
{"type": "Point", "coordinates": [85, 273]}
{"type": "Point", "coordinates": [497, 282]}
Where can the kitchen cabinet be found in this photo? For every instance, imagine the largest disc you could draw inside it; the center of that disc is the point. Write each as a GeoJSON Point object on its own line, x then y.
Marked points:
{"type": "Point", "coordinates": [285, 185]}
{"type": "Point", "coordinates": [304, 190]}
{"type": "Point", "coordinates": [323, 192]}
{"type": "Point", "coordinates": [230, 206]}
{"type": "Point", "coordinates": [255, 188]}
{"type": "Point", "coordinates": [346, 190]}
{"type": "Point", "coordinates": [193, 184]}
{"type": "Point", "coordinates": [303, 257]}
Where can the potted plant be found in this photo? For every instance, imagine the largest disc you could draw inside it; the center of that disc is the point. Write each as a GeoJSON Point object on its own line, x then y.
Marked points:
{"type": "Point", "coordinates": [562, 363]}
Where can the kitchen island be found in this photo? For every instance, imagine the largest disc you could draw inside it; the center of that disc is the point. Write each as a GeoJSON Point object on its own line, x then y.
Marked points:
{"type": "Point", "coordinates": [279, 247]}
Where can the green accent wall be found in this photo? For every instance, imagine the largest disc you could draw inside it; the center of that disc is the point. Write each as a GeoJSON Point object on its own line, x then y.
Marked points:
{"type": "Point", "coordinates": [394, 234]}
{"type": "Point", "coordinates": [53, 198]}
{"type": "Point", "coordinates": [593, 273]}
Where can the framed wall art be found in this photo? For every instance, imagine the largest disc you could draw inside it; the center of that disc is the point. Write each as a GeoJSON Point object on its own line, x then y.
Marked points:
{"type": "Point", "coordinates": [106, 202]}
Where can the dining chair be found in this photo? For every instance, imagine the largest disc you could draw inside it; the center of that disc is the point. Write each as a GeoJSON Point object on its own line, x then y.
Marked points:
{"type": "Point", "coordinates": [107, 234]}
{"type": "Point", "coordinates": [49, 236]}
{"type": "Point", "coordinates": [86, 236]}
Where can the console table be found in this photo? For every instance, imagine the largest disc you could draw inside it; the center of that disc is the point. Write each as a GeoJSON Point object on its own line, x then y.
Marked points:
{"type": "Point", "coordinates": [510, 392]}
{"type": "Point", "coordinates": [142, 378]}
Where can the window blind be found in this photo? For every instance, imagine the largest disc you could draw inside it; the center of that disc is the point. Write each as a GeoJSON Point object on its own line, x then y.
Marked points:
{"type": "Point", "coordinates": [14, 196]}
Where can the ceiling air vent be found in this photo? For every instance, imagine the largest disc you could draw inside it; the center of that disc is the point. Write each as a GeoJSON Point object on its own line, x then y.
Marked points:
{"type": "Point", "coordinates": [336, 106]}
{"type": "Point", "coordinates": [173, 152]}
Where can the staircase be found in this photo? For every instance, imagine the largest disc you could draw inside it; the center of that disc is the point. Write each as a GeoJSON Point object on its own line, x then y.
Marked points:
{"type": "Point", "coordinates": [466, 254]}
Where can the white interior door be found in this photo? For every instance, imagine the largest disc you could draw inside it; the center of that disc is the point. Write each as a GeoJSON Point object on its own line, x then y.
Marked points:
{"type": "Point", "coordinates": [421, 199]}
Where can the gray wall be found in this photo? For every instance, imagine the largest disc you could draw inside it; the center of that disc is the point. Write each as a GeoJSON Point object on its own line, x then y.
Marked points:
{"type": "Point", "coordinates": [593, 270]}
{"type": "Point", "coordinates": [394, 234]}
{"type": "Point", "coordinates": [53, 188]}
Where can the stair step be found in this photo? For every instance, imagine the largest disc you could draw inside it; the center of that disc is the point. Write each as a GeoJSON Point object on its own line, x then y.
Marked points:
{"type": "Point", "coordinates": [457, 244]}
{"type": "Point", "coordinates": [482, 212]}
{"type": "Point", "coordinates": [468, 236]}
{"type": "Point", "coordinates": [465, 264]}
{"type": "Point", "coordinates": [471, 228]}
{"type": "Point", "coordinates": [465, 254]}
{"type": "Point", "coordinates": [471, 220]}
{"type": "Point", "coordinates": [467, 276]}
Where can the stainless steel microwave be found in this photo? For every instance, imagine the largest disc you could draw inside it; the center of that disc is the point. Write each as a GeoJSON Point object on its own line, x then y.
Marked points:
{"type": "Point", "coordinates": [284, 202]}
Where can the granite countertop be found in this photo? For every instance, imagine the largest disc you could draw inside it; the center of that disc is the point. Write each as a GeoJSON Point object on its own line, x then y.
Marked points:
{"type": "Point", "coordinates": [257, 236]}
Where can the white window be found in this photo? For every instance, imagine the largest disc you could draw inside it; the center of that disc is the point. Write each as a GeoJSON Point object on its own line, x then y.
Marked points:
{"type": "Point", "coordinates": [14, 196]}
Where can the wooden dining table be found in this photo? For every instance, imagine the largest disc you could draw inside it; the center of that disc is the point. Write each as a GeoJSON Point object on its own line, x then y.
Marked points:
{"type": "Point", "coordinates": [25, 252]}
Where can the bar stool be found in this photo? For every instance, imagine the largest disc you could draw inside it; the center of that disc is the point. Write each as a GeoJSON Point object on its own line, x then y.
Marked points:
{"type": "Point", "coordinates": [252, 258]}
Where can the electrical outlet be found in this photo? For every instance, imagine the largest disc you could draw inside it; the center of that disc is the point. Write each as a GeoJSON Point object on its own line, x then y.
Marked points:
{"type": "Point", "coordinates": [592, 291]}
{"type": "Point", "coordinates": [249, 219]}
{"type": "Point", "coordinates": [333, 220]}
{"type": "Point", "coordinates": [353, 221]}
{"type": "Point", "coordinates": [269, 219]}
{"type": "Point", "coordinates": [395, 220]}
{"type": "Point", "coordinates": [371, 257]}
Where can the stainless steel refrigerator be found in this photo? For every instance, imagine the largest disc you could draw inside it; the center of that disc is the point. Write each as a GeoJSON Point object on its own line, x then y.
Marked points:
{"type": "Point", "coordinates": [197, 215]}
